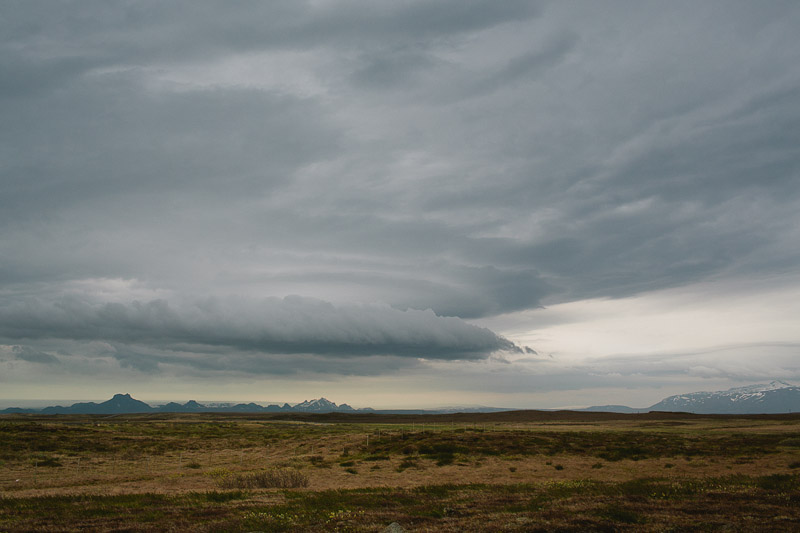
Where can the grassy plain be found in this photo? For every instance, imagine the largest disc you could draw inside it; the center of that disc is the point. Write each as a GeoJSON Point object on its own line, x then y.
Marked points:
{"type": "Point", "coordinates": [519, 471]}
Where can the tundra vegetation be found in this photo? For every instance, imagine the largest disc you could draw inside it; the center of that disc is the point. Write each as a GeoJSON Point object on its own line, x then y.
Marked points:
{"type": "Point", "coordinates": [523, 471]}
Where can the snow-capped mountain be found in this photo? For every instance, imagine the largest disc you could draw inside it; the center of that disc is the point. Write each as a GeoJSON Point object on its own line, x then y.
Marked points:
{"type": "Point", "coordinates": [774, 397]}
{"type": "Point", "coordinates": [321, 405]}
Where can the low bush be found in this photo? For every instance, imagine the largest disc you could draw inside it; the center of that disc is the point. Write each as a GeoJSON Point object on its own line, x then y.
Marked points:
{"type": "Point", "coordinates": [779, 482]}
{"type": "Point", "coordinates": [406, 463]}
{"type": "Point", "coordinates": [47, 461]}
{"type": "Point", "coordinates": [275, 478]}
{"type": "Point", "coordinates": [617, 513]}
{"type": "Point", "coordinates": [376, 457]}
{"type": "Point", "coordinates": [318, 461]}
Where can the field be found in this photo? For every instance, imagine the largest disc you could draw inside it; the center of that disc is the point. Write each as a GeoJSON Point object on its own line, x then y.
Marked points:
{"type": "Point", "coordinates": [519, 471]}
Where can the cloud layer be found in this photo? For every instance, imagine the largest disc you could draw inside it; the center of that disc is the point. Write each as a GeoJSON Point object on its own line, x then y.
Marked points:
{"type": "Point", "coordinates": [284, 326]}
{"type": "Point", "coordinates": [401, 167]}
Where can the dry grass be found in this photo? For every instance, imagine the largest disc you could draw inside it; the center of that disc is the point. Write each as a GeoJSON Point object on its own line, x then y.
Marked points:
{"type": "Point", "coordinates": [153, 473]}
{"type": "Point", "coordinates": [274, 478]}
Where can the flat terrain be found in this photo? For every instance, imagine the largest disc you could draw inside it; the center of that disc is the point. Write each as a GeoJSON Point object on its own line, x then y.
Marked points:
{"type": "Point", "coordinates": [518, 471]}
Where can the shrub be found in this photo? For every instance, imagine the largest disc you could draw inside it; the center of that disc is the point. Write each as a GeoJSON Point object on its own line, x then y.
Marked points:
{"type": "Point", "coordinates": [444, 458]}
{"type": "Point", "coordinates": [317, 460]}
{"type": "Point", "coordinates": [620, 514]}
{"type": "Point", "coordinates": [222, 497]}
{"type": "Point", "coordinates": [406, 463]}
{"type": "Point", "coordinates": [218, 473]}
{"type": "Point", "coordinates": [634, 453]}
{"type": "Point", "coordinates": [275, 478]}
{"type": "Point", "coordinates": [779, 482]}
{"type": "Point", "coordinates": [47, 461]}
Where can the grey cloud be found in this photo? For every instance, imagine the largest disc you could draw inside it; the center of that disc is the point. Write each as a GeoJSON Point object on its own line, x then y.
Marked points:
{"type": "Point", "coordinates": [202, 361]}
{"type": "Point", "coordinates": [112, 176]}
{"type": "Point", "coordinates": [138, 360]}
{"type": "Point", "coordinates": [394, 69]}
{"type": "Point", "coordinates": [289, 325]}
{"type": "Point", "coordinates": [198, 29]}
{"type": "Point", "coordinates": [26, 353]}
{"type": "Point", "coordinates": [472, 158]}
{"type": "Point", "coordinates": [530, 64]}
{"type": "Point", "coordinates": [115, 361]}
{"type": "Point", "coordinates": [199, 142]}
{"type": "Point", "coordinates": [21, 79]}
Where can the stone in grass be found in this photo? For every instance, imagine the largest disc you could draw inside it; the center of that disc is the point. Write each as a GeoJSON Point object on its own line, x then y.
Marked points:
{"type": "Point", "coordinates": [394, 527]}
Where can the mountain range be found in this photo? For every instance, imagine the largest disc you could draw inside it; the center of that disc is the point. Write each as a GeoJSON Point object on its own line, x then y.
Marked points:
{"type": "Point", "coordinates": [771, 398]}
{"type": "Point", "coordinates": [125, 404]}
{"type": "Point", "coordinates": [774, 397]}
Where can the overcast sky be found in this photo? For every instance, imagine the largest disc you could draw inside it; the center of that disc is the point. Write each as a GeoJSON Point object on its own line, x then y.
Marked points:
{"type": "Point", "coordinates": [398, 204]}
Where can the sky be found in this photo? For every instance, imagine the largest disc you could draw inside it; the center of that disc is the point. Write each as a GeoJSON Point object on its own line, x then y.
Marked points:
{"type": "Point", "coordinates": [398, 204]}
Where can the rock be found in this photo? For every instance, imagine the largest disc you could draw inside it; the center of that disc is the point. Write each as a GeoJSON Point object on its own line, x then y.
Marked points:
{"type": "Point", "coordinates": [394, 527]}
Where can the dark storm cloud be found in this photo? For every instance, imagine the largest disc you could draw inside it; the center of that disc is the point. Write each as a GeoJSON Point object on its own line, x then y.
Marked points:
{"type": "Point", "coordinates": [199, 360]}
{"type": "Point", "coordinates": [108, 137]}
{"type": "Point", "coordinates": [472, 158]}
{"type": "Point", "coordinates": [285, 326]}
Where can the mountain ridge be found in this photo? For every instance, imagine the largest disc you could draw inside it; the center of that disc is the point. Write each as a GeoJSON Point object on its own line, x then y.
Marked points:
{"type": "Point", "coordinates": [774, 397]}
{"type": "Point", "coordinates": [770, 398]}
{"type": "Point", "coordinates": [126, 404]}
{"type": "Point", "coordinates": [763, 398]}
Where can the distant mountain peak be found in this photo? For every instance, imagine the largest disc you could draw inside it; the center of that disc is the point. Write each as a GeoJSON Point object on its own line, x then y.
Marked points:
{"type": "Point", "coordinates": [319, 404]}
{"type": "Point", "coordinates": [774, 397]}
